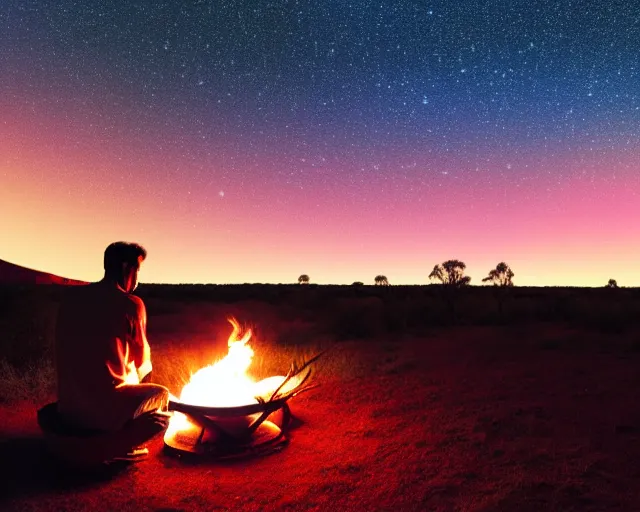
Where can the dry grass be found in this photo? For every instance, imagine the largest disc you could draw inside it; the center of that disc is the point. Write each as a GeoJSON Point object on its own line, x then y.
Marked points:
{"type": "Point", "coordinates": [33, 382]}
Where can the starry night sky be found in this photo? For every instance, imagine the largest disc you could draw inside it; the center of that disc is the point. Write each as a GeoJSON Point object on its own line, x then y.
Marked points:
{"type": "Point", "coordinates": [254, 141]}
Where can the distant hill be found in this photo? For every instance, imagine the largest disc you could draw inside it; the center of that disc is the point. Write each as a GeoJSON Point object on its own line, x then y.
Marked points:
{"type": "Point", "coordinates": [10, 273]}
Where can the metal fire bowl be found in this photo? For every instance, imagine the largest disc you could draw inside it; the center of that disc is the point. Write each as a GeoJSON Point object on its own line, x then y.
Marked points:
{"type": "Point", "coordinates": [232, 431]}
{"type": "Point", "coordinates": [226, 412]}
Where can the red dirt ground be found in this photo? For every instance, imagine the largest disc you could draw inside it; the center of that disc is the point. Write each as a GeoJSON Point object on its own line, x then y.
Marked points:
{"type": "Point", "coordinates": [464, 419]}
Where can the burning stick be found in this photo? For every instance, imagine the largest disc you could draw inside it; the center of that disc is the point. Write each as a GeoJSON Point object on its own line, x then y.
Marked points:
{"type": "Point", "coordinates": [294, 371]}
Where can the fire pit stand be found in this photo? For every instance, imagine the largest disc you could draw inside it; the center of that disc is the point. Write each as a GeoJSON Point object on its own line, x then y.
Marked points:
{"type": "Point", "coordinates": [230, 432]}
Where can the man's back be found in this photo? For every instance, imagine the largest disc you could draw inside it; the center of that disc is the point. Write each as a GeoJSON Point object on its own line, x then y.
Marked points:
{"type": "Point", "coordinates": [100, 340]}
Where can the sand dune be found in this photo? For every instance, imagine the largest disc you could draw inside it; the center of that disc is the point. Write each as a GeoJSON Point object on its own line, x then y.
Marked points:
{"type": "Point", "coordinates": [10, 273]}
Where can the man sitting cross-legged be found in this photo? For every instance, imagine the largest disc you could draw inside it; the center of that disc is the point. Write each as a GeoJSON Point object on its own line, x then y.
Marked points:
{"type": "Point", "coordinates": [106, 405]}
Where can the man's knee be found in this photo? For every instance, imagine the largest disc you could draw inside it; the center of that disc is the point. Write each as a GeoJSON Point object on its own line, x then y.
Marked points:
{"type": "Point", "coordinates": [157, 395]}
{"type": "Point", "coordinates": [144, 397]}
{"type": "Point", "coordinates": [162, 394]}
{"type": "Point", "coordinates": [147, 390]}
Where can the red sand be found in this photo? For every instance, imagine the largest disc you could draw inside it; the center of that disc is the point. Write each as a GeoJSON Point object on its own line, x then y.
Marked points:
{"type": "Point", "coordinates": [475, 419]}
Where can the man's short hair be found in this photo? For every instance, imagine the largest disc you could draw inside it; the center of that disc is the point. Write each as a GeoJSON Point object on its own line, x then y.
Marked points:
{"type": "Point", "coordinates": [122, 252]}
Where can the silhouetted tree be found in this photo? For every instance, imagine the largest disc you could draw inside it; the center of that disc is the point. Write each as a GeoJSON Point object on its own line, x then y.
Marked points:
{"type": "Point", "coordinates": [612, 283]}
{"type": "Point", "coordinates": [502, 275]}
{"type": "Point", "coordinates": [303, 279]}
{"type": "Point", "coordinates": [381, 280]}
{"type": "Point", "coordinates": [450, 273]}
{"type": "Point", "coordinates": [357, 283]}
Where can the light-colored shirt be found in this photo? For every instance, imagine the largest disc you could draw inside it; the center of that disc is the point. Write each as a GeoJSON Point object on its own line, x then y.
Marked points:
{"type": "Point", "coordinates": [101, 344]}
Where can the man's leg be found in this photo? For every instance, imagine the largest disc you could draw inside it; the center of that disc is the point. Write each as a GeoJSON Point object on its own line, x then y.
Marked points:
{"type": "Point", "coordinates": [125, 419]}
{"type": "Point", "coordinates": [143, 408]}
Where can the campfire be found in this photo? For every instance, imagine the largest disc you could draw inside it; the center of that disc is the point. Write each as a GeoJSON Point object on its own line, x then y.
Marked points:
{"type": "Point", "coordinates": [223, 412]}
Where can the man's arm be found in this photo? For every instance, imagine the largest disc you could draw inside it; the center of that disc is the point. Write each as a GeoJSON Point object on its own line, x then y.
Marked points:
{"type": "Point", "coordinates": [139, 346]}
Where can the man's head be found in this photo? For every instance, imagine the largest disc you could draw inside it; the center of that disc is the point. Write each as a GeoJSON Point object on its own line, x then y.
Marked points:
{"type": "Point", "coordinates": [122, 262]}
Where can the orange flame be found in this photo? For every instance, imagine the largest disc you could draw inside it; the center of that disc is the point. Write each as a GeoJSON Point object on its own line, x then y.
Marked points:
{"type": "Point", "coordinates": [225, 383]}
{"type": "Point", "coordinates": [129, 375]}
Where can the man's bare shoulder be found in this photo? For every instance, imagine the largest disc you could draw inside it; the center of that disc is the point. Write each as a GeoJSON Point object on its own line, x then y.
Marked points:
{"type": "Point", "coordinates": [137, 304]}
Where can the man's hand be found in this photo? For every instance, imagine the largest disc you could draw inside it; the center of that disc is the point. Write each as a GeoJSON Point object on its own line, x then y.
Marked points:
{"type": "Point", "coordinates": [147, 425]}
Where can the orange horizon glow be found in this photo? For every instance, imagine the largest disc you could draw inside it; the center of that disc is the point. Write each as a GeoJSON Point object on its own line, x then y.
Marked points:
{"type": "Point", "coordinates": [585, 245]}
{"type": "Point", "coordinates": [62, 203]}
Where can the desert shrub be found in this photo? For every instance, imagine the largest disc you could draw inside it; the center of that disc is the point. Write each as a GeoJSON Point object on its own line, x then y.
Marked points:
{"type": "Point", "coordinates": [357, 318]}
{"type": "Point", "coordinates": [191, 320]}
{"type": "Point", "coordinates": [518, 310]}
{"type": "Point", "coordinates": [606, 314]}
{"type": "Point", "coordinates": [27, 323]}
{"type": "Point", "coordinates": [297, 332]}
{"type": "Point", "coordinates": [436, 310]}
{"type": "Point", "coordinates": [473, 309]}
{"type": "Point", "coordinates": [396, 315]}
